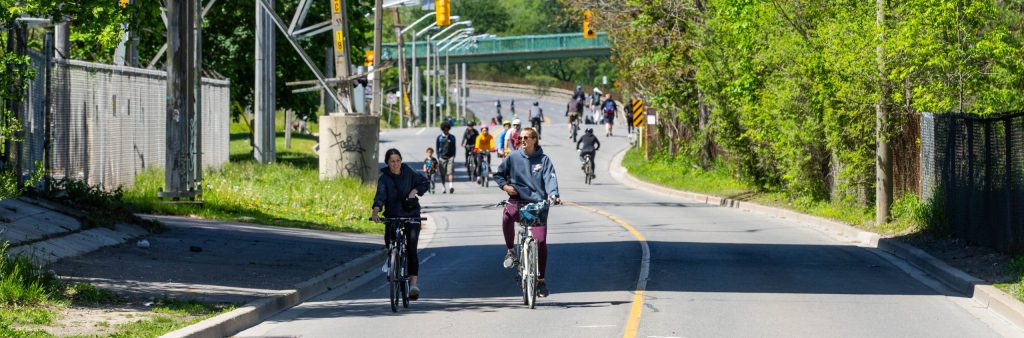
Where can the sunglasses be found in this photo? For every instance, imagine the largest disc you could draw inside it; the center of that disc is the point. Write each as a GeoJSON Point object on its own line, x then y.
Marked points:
{"type": "Point", "coordinates": [525, 137]}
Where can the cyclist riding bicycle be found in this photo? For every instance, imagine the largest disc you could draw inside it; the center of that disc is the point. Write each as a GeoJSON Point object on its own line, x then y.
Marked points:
{"type": "Point", "coordinates": [500, 141]}
{"type": "Point", "coordinates": [468, 141]}
{"type": "Point", "coordinates": [527, 176]}
{"type": "Point", "coordinates": [484, 145]}
{"type": "Point", "coordinates": [589, 145]}
{"type": "Point", "coordinates": [398, 192]}
{"type": "Point", "coordinates": [536, 116]}
{"type": "Point", "coordinates": [573, 109]}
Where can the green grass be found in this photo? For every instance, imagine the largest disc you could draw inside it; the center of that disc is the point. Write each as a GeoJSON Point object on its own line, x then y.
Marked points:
{"type": "Point", "coordinates": [32, 297]}
{"type": "Point", "coordinates": [22, 283]}
{"type": "Point", "coordinates": [909, 214]}
{"type": "Point", "coordinates": [171, 315]}
{"type": "Point", "coordinates": [286, 193]}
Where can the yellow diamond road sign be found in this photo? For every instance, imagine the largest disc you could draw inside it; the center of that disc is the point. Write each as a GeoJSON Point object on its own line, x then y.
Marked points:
{"type": "Point", "coordinates": [636, 106]}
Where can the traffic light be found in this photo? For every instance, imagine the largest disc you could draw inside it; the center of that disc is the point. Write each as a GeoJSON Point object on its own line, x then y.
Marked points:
{"type": "Point", "coordinates": [588, 31]}
{"type": "Point", "coordinates": [124, 4]}
{"type": "Point", "coordinates": [369, 58]}
{"type": "Point", "coordinates": [443, 8]}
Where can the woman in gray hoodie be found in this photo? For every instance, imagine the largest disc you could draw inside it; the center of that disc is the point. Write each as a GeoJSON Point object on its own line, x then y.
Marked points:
{"type": "Point", "coordinates": [527, 176]}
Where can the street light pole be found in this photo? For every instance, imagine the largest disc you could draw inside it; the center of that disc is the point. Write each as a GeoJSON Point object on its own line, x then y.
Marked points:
{"type": "Point", "coordinates": [437, 55]}
{"type": "Point", "coordinates": [415, 100]}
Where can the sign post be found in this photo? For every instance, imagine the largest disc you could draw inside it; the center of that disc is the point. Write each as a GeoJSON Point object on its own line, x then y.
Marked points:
{"type": "Point", "coordinates": [651, 120]}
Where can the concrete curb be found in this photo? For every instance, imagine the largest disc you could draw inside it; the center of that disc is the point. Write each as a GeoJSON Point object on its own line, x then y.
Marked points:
{"type": "Point", "coordinates": [255, 312]}
{"type": "Point", "coordinates": [961, 282]}
{"type": "Point", "coordinates": [230, 323]}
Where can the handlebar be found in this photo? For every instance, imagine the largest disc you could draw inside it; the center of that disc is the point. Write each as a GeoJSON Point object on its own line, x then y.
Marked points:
{"type": "Point", "coordinates": [399, 219]}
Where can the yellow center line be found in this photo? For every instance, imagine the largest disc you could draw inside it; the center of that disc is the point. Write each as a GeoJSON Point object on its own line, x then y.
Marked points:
{"type": "Point", "coordinates": [633, 324]}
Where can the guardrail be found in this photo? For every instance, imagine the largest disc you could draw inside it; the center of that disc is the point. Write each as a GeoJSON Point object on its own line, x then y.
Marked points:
{"type": "Point", "coordinates": [516, 47]}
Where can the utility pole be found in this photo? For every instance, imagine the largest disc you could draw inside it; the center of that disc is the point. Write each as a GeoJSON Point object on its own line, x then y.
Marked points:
{"type": "Point", "coordinates": [349, 141]}
{"type": "Point", "coordinates": [180, 178]}
{"type": "Point", "coordinates": [378, 26]}
{"type": "Point", "coordinates": [263, 133]}
{"type": "Point", "coordinates": [342, 66]}
{"type": "Point", "coordinates": [883, 166]}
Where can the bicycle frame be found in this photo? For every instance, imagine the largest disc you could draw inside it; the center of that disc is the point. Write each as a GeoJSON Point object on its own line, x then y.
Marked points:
{"type": "Point", "coordinates": [398, 268]}
{"type": "Point", "coordinates": [484, 167]}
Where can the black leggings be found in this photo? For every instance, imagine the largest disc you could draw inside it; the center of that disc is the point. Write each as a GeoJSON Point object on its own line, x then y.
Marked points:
{"type": "Point", "coordinates": [412, 238]}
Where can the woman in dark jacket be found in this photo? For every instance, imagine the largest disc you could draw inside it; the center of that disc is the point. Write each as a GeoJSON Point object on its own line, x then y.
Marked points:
{"type": "Point", "coordinates": [398, 191]}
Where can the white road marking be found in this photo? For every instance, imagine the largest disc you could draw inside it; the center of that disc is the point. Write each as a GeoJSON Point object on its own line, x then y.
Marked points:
{"type": "Point", "coordinates": [421, 131]}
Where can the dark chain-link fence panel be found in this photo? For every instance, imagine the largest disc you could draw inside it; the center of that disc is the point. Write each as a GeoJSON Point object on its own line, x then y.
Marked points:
{"type": "Point", "coordinates": [29, 151]}
{"type": "Point", "coordinates": [109, 122]}
{"type": "Point", "coordinates": [973, 168]}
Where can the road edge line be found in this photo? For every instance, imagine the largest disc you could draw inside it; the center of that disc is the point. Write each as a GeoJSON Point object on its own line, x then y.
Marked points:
{"type": "Point", "coordinates": [637, 308]}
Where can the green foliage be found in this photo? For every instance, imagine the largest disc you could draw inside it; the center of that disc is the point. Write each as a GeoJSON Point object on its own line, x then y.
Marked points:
{"type": "Point", "coordinates": [790, 88]}
{"type": "Point", "coordinates": [29, 315]}
{"type": "Point", "coordinates": [24, 283]}
{"type": "Point", "coordinates": [94, 206]}
{"type": "Point", "coordinates": [286, 193]}
{"type": "Point", "coordinates": [85, 293]}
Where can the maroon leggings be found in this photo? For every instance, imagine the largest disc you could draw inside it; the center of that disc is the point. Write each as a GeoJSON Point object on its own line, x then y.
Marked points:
{"type": "Point", "coordinates": [540, 232]}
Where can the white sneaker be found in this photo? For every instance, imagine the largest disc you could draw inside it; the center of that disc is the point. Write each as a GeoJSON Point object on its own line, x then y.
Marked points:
{"type": "Point", "coordinates": [414, 293]}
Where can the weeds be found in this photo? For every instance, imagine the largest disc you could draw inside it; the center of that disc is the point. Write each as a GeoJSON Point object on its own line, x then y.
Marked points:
{"type": "Point", "coordinates": [93, 206]}
{"type": "Point", "coordinates": [23, 283]}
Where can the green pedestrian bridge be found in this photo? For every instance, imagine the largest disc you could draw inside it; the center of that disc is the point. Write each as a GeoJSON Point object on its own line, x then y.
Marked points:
{"type": "Point", "coordinates": [513, 48]}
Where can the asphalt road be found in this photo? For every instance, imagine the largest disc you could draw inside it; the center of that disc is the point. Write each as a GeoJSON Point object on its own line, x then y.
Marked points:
{"type": "Point", "coordinates": [711, 272]}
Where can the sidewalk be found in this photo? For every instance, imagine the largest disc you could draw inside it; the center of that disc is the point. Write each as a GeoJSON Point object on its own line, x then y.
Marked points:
{"type": "Point", "coordinates": [262, 269]}
{"type": "Point", "coordinates": [215, 261]}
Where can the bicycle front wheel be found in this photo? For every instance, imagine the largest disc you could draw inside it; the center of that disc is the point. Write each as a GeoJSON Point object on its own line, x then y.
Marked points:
{"type": "Point", "coordinates": [404, 278]}
{"type": "Point", "coordinates": [394, 279]}
{"type": "Point", "coordinates": [534, 273]}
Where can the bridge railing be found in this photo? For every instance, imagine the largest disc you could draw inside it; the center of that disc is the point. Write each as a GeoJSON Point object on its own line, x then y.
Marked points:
{"type": "Point", "coordinates": [512, 45]}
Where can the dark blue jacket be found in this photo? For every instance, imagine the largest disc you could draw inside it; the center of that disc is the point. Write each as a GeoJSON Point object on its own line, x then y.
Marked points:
{"type": "Point", "coordinates": [445, 151]}
{"type": "Point", "coordinates": [393, 189]}
{"type": "Point", "coordinates": [533, 177]}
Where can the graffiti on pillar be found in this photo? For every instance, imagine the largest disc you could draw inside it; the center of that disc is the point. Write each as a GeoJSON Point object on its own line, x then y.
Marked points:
{"type": "Point", "coordinates": [350, 154]}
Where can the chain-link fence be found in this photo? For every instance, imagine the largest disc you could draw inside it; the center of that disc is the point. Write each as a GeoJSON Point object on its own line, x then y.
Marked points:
{"type": "Point", "coordinates": [973, 167]}
{"type": "Point", "coordinates": [107, 123]}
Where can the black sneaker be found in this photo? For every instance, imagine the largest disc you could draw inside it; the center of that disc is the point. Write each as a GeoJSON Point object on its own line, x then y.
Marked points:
{"type": "Point", "coordinates": [542, 289]}
{"type": "Point", "coordinates": [451, 190]}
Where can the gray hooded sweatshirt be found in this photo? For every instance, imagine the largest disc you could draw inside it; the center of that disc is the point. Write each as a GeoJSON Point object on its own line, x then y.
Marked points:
{"type": "Point", "coordinates": [533, 177]}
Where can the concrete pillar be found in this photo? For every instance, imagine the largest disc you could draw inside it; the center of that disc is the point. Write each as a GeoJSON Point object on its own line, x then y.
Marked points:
{"type": "Point", "coordinates": [349, 146]}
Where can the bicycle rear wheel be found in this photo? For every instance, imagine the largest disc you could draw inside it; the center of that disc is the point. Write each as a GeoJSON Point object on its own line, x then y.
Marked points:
{"type": "Point", "coordinates": [587, 171]}
{"type": "Point", "coordinates": [394, 279]}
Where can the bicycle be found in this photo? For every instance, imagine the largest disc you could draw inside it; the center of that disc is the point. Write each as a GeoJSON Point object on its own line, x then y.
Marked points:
{"type": "Point", "coordinates": [528, 264]}
{"type": "Point", "coordinates": [485, 168]}
{"type": "Point", "coordinates": [588, 169]}
{"type": "Point", "coordinates": [471, 166]}
{"type": "Point", "coordinates": [398, 279]}
{"type": "Point", "coordinates": [536, 123]}
{"type": "Point", "coordinates": [575, 127]}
